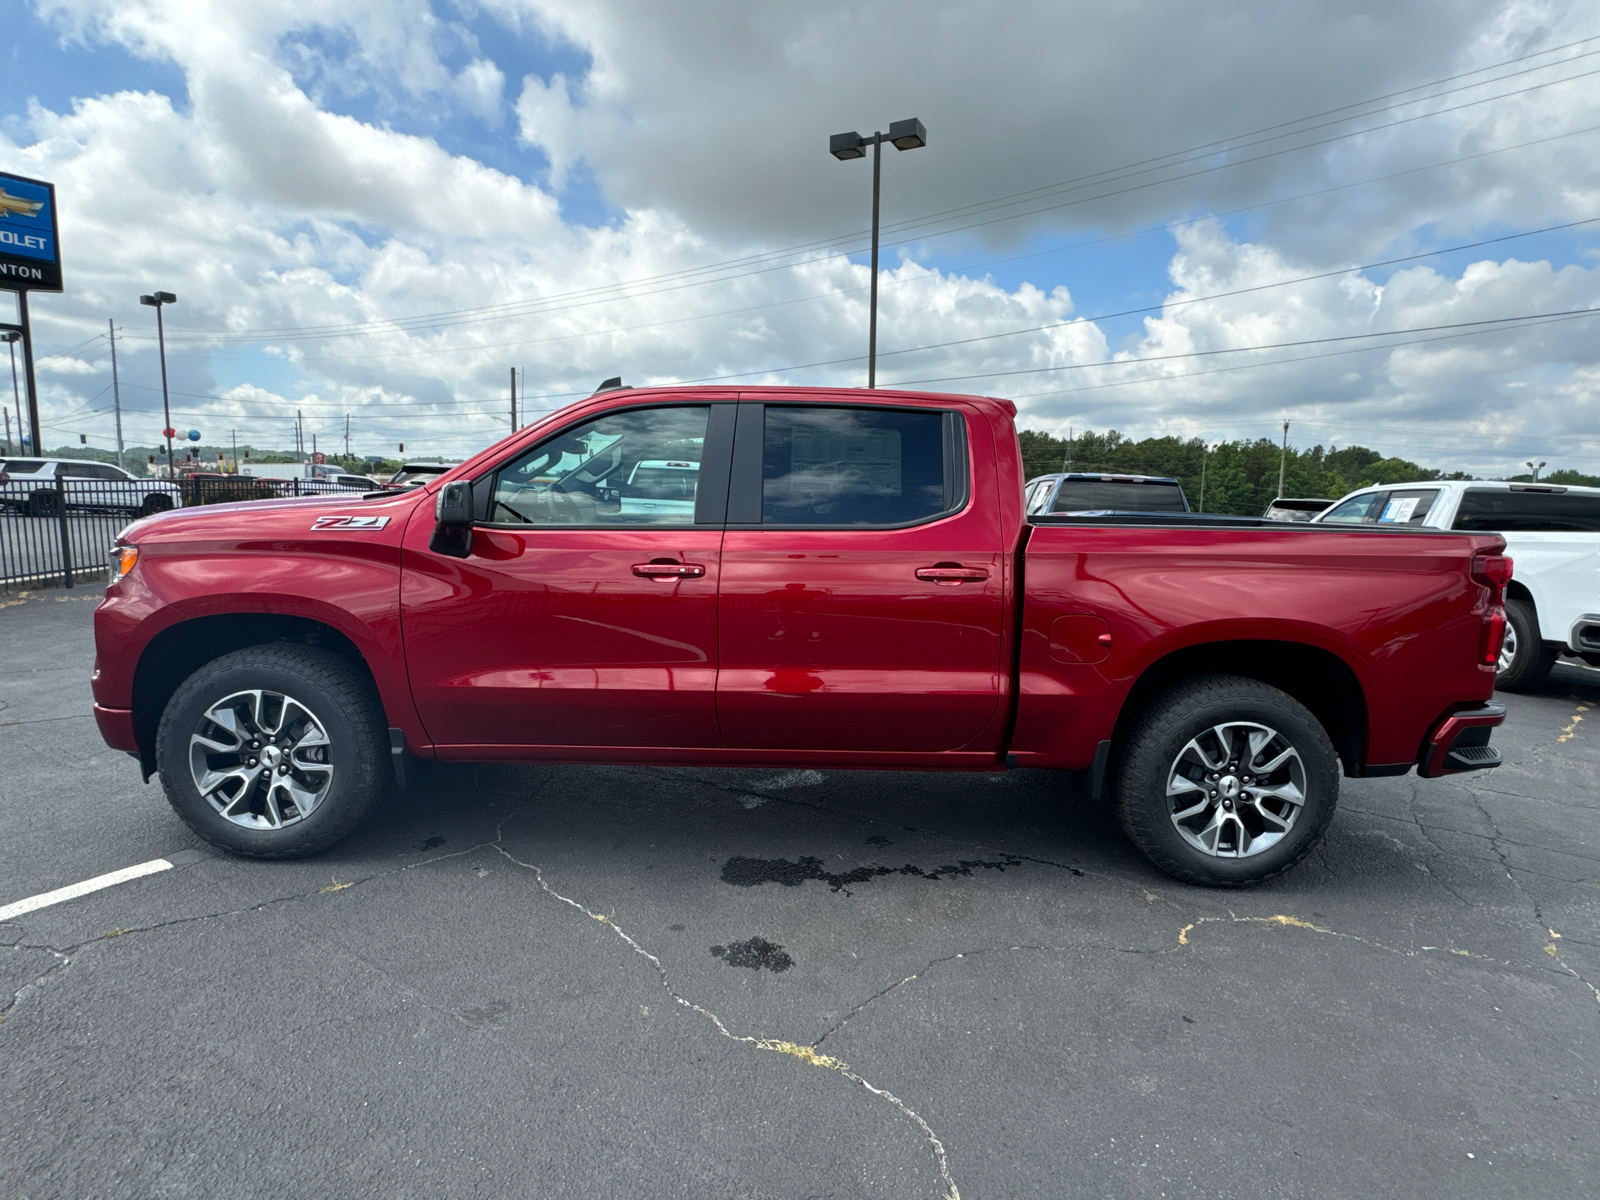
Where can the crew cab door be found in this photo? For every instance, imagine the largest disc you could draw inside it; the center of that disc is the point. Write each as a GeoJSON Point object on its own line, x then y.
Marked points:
{"type": "Point", "coordinates": [862, 580]}
{"type": "Point", "coordinates": [585, 612]}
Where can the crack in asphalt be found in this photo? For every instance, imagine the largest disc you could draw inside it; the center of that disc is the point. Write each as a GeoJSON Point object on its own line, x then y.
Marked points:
{"type": "Point", "coordinates": [1551, 948]}
{"type": "Point", "coordinates": [800, 1051]}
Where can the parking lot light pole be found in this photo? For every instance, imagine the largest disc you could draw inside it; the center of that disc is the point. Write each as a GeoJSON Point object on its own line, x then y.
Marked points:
{"type": "Point", "coordinates": [155, 300]}
{"type": "Point", "coordinates": [9, 337]}
{"type": "Point", "coordinates": [905, 135]}
{"type": "Point", "coordinates": [1534, 469]}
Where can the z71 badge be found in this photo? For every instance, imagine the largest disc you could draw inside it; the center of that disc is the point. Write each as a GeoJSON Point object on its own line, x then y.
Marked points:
{"type": "Point", "coordinates": [363, 523]}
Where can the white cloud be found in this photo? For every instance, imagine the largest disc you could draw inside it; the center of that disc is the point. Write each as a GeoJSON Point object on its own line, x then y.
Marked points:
{"type": "Point", "coordinates": [267, 207]}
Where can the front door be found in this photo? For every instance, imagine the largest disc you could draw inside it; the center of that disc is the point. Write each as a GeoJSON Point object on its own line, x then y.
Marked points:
{"type": "Point", "coordinates": [862, 586]}
{"type": "Point", "coordinates": [585, 613]}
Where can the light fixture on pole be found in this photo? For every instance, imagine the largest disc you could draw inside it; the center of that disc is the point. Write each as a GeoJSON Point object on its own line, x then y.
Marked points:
{"type": "Point", "coordinates": [1534, 469]}
{"type": "Point", "coordinates": [903, 135]}
{"type": "Point", "coordinates": [155, 300]}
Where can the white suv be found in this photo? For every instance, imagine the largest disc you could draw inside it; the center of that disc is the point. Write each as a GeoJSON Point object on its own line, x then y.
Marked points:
{"type": "Point", "coordinates": [1553, 537]}
{"type": "Point", "coordinates": [28, 485]}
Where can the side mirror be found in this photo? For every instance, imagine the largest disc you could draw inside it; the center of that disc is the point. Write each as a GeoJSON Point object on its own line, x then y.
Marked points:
{"type": "Point", "coordinates": [452, 512]}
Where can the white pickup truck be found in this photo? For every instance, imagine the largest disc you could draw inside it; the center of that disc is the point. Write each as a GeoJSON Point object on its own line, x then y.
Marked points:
{"type": "Point", "coordinates": [1552, 535]}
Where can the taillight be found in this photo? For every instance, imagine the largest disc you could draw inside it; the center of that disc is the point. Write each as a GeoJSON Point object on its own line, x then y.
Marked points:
{"type": "Point", "coordinates": [1493, 571]}
{"type": "Point", "coordinates": [1494, 633]}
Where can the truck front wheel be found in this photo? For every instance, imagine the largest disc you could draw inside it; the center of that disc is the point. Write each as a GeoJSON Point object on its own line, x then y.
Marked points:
{"type": "Point", "coordinates": [274, 751]}
{"type": "Point", "coordinates": [1226, 781]}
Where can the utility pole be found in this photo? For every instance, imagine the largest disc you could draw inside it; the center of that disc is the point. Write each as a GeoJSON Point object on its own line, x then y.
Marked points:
{"type": "Point", "coordinates": [235, 451]}
{"type": "Point", "coordinates": [116, 389]}
{"type": "Point", "coordinates": [8, 432]}
{"type": "Point", "coordinates": [1066, 462]}
{"type": "Point", "coordinates": [1283, 459]}
{"type": "Point", "coordinates": [1205, 453]}
{"type": "Point", "coordinates": [300, 435]}
{"type": "Point", "coordinates": [347, 435]}
{"type": "Point", "coordinates": [513, 399]}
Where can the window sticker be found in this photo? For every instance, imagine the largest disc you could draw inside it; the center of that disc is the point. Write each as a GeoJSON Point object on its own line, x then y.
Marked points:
{"type": "Point", "coordinates": [1399, 511]}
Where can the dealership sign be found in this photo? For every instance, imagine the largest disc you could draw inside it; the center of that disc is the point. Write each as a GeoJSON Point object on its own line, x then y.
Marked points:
{"type": "Point", "coordinates": [30, 255]}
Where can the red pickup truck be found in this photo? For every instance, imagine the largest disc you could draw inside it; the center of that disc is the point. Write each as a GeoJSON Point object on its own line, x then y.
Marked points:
{"type": "Point", "coordinates": [804, 577]}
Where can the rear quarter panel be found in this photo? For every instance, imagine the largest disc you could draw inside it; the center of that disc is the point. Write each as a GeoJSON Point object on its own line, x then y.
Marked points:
{"type": "Point", "coordinates": [1399, 609]}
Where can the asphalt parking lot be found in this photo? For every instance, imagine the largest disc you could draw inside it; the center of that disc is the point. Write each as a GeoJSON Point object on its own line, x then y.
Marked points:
{"type": "Point", "coordinates": [596, 982]}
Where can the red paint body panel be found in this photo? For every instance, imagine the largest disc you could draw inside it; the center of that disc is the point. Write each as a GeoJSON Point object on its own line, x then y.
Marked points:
{"type": "Point", "coordinates": [548, 637]}
{"type": "Point", "coordinates": [816, 647]}
{"type": "Point", "coordinates": [1399, 610]}
{"type": "Point", "coordinates": [829, 641]}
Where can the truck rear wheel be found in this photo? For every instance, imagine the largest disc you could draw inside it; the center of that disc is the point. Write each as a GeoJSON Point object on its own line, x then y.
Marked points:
{"type": "Point", "coordinates": [274, 751]}
{"type": "Point", "coordinates": [1525, 658]}
{"type": "Point", "coordinates": [1226, 781]}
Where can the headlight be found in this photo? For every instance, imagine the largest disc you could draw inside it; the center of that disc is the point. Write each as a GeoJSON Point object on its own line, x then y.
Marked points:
{"type": "Point", "coordinates": [122, 560]}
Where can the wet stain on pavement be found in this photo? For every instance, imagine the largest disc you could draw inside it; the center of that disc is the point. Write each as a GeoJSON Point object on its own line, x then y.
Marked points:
{"type": "Point", "coordinates": [879, 840]}
{"type": "Point", "coordinates": [433, 842]}
{"type": "Point", "coordinates": [758, 954]}
{"type": "Point", "coordinates": [488, 1014]}
{"type": "Point", "coordinates": [753, 872]}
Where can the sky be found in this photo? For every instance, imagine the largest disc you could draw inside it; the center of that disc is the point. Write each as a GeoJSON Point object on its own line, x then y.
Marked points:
{"type": "Point", "coordinates": [1378, 222]}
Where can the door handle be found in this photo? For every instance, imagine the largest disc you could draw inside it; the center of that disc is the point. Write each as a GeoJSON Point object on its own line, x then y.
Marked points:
{"type": "Point", "coordinates": [952, 576]}
{"type": "Point", "coordinates": [668, 570]}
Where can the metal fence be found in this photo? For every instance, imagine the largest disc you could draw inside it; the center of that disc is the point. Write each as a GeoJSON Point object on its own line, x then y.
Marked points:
{"type": "Point", "coordinates": [60, 532]}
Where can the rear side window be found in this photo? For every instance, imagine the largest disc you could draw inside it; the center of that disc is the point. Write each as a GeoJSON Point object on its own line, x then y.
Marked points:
{"type": "Point", "coordinates": [1036, 497]}
{"type": "Point", "coordinates": [1356, 509]}
{"type": "Point", "coordinates": [1528, 512]}
{"type": "Point", "coordinates": [1405, 507]}
{"type": "Point", "coordinates": [22, 466]}
{"type": "Point", "coordinates": [853, 466]}
{"type": "Point", "coordinates": [1097, 495]}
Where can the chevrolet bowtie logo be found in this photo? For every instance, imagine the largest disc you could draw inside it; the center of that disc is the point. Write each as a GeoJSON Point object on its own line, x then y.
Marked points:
{"type": "Point", "coordinates": [15, 204]}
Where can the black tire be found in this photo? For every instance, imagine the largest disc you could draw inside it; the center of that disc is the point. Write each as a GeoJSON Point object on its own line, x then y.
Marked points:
{"type": "Point", "coordinates": [1150, 756]}
{"type": "Point", "coordinates": [44, 504]}
{"type": "Point", "coordinates": [343, 701]}
{"type": "Point", "coordinates": [155, 502]}
{"type": "Point", "coordinates": [1531, 657]}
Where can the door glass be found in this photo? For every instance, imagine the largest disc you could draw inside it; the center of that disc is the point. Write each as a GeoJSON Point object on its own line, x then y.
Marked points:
{"type": "Point", "coordinates": [639, 467]}
{"type": "Point", "coordinates": [852, 466]}
{"type": "Point", "coordinates": [1406, 506]}
{"type": "Point", "coordinates": [1354, 510]}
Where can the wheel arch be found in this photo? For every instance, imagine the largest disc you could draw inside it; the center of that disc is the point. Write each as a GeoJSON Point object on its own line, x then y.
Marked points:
{"type": "Point", "coordinates": [181, 649]}
{"type": "Point", "coordinates": [1316, 677]}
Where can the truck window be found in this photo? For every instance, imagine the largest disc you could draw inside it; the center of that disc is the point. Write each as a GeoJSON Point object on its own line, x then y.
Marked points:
{"type": "Point", "coordinates": [1405, 506]}
{"type": "Point", "coordinates": [1355, 510]}
{"type": "Point", "coordinates": [1517, 511]}
{"type": "Point", "coordinates": [1037, 496]}
{"type": "Point", "coordinates": [605, 472]}
{"type": "Point", "coordinates": [1110, 495]}
{"type": "Point", "coordinates": [852, 466]}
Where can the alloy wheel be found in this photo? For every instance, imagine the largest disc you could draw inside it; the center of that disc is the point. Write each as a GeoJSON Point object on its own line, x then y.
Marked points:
{"type": "Point", "coordinates": [1236, 789]}
{"type": "Point", "coordinates": [261, 759]}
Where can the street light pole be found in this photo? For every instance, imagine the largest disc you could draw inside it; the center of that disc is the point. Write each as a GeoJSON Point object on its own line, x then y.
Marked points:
{"type": "Point", "coordinates": [1534, 469]}
{"type": "Point", "coordinates": [10, 337]}
{"type": "Point", "coordinates": [905, 135]}
{"type": "Point", "coordinates": [1283, 459]}
{"type": "Point", "coordinates": [155, 300]}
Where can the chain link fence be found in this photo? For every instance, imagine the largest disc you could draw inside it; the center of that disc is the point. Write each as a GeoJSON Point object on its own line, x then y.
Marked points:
{"type": "Point", "coordinates": [60, 532]}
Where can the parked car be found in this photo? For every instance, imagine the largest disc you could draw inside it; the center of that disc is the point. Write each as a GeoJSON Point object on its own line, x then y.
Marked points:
{"type": "Point", "coordinates": [855, 586]}
{"type": "Point", "coordinates": [365, 482]}
{"type": "Point", "coordinates": [411, 474]}
{"type": "Point", "coordinates": [28, 485]}
{"type": "Point", "coordinates": [1299, 509]}
{"type": "Point", "coordinates": [1552, 533]}
{"type": "Point", "coordinates": [1083, 492]}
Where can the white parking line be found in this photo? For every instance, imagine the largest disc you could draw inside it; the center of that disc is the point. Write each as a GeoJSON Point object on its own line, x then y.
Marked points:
{"type": "Point", "coordinates": [73, 890]}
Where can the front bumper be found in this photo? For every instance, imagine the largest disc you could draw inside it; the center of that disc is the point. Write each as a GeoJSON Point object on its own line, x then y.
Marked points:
{"type": "Point", "coordinates": [116, 727]}
{"type": "Point", "coordinates": [1460, 742]}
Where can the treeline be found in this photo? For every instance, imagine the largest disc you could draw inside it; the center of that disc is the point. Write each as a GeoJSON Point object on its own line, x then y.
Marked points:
{"type": "Point", "coordinates": [1242, 476]}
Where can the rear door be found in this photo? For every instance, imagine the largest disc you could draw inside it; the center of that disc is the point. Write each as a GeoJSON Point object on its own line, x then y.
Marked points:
{"type": "Point", "coordinates": [862, 580]}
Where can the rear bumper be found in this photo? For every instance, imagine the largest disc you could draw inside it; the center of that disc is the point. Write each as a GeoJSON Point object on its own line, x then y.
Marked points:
{"type": "Point", "coordinates": [1460, 742]}
{"type": "Point", "coordinates": [116, 727]}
